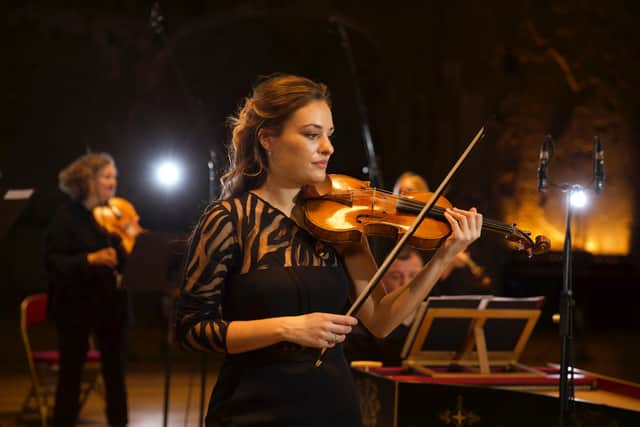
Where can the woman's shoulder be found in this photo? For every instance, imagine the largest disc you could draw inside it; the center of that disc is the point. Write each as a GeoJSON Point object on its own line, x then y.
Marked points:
{"type": "Point", "coordinates": [242, 205]}
{"type": "Point", "coordinates": [231, 209]}
{"type": "Point", "coordinates": [229, 206]}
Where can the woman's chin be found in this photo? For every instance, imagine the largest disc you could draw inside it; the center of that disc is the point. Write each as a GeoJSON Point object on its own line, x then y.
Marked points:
{"type": "Point", "coordinates": [314, 178]}
{"type": "Point", "coordinates": [319, 177]}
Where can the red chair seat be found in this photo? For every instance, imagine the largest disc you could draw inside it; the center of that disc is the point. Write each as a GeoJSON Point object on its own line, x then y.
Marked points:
{"type": "Point", "coordinates": [54, 357]}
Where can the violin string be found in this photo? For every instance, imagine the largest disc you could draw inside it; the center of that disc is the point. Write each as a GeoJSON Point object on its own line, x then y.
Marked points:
{"type": "Point", "coordinates": [437, 210]}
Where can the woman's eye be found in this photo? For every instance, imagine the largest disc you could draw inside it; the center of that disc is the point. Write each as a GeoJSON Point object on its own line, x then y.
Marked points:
{"type": "Point", "coordinates": [312, 135]}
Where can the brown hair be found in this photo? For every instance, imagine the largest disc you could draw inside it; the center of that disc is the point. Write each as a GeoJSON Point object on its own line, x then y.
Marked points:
{"type": "Point", "coordinates": [272, 103]}
{"type": "Point", "coordinates": [75, 178]}
{"type": "Point", "coordinates": [407, 251]}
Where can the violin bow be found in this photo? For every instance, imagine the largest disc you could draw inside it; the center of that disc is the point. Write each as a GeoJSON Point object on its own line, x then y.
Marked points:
{"type": "Point", "coordinates": [396, 249]}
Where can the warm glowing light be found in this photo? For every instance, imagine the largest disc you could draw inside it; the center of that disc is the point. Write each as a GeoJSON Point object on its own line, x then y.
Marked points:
{"type": "Point", "coordinates": [594, 232]}
{"type": "Point", "coordinates": [606, 226]}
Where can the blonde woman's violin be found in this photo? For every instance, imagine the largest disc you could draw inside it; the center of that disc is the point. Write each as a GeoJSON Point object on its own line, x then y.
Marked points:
{"type": "Point", "coordinates": [342, 209]}
{"type": "Point", "coordinates": [120, 217]}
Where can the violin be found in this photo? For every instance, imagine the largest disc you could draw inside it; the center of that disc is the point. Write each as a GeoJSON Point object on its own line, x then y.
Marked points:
{"type": "Point", "coordinates": [342, 208]}
{"type": "Point", "coordinates": [120, 217]}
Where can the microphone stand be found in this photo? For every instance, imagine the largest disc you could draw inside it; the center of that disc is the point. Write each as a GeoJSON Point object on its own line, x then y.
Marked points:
{"type": "Point", "coordinates": [567, 306]}
{"type": "Point", "coordinates": [567, 303]}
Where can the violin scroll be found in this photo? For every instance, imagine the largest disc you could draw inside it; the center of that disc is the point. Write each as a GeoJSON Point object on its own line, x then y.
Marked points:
{"type": "Point", "coordinates": [523, 242]}
{"type": "Point", "coordinates": [543, 244]}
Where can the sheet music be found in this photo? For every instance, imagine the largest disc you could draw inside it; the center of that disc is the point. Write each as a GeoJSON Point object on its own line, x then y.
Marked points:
{"type": "Point", "coordinates": [18, 194]}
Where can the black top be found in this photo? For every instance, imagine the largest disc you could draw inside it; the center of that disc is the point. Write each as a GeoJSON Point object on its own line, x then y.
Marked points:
{"type": "Point", "coordinates": [77, 290]}
{"type": "Point", "coordinates": [249, 261]}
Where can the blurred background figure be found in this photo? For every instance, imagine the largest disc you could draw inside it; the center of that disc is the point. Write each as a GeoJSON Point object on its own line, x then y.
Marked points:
{"type": "Point", "coordinates": [410, 182]}
{"type": "Point", "coordinates": [84, 262]}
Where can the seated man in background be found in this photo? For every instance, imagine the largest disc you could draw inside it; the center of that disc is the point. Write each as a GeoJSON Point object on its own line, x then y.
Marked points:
{"type": "Point", "coordinates": [361, 344]}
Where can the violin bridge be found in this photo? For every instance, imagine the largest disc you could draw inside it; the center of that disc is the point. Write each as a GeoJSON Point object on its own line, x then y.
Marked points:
{"type": "Point", "coordinates": [373, 200]}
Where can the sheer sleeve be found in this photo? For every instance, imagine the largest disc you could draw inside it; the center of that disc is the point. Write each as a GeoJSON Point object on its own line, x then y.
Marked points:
{"type": "Point", "coordinates": [213, 252]}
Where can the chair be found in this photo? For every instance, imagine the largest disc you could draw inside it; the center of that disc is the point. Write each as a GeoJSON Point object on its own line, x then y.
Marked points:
{"type": "Point", "coordinates": [44, 364]}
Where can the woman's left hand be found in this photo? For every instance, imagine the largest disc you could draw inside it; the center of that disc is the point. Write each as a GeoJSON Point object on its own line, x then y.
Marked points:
{"type": "Point", "coordinates": [465, 228]}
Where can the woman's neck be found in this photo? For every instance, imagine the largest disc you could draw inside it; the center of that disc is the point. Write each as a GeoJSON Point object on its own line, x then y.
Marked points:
{"type": "Point", "coordinates": [278, 196]}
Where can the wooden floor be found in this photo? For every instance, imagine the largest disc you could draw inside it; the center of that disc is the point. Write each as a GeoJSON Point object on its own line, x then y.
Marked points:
{"type": "Point", "coordinates": [145, 385]}
{"type": "Point", "coordinates": [145, 391]}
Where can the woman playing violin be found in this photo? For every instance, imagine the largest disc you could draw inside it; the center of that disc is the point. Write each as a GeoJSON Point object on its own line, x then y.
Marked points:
{"type": "Point", "coordinates": [263, 290]}
{"type": "Point", "coordinates": [81, 258]}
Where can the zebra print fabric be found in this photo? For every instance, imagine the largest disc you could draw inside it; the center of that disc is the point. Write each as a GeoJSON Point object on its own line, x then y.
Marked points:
{"type": "Point", "coordinates": [235, 237]}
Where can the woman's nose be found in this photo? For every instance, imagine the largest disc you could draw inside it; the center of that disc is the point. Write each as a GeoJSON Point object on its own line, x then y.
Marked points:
{"type": "Point", "coordinates": [326, 147]}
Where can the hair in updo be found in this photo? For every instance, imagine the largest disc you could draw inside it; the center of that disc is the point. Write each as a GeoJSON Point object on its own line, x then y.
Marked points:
{"type": "Point", "coordinates": [273, 101]}
{"type": "Point", "coordinates": [75, 179]}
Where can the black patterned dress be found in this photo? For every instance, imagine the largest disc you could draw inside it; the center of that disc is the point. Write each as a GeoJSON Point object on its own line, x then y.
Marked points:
{"type": "Point", "coordinates": [249, 261]}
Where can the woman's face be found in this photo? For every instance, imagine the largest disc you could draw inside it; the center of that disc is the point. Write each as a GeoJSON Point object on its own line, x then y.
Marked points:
{"type": "Point", "coordinates": [105, 182]}
{"type": "Point", "coordinates": [300, 154]}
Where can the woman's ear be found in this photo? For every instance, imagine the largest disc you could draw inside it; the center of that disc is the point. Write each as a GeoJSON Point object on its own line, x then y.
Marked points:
{"type": "Point", "coordinates": [265, 140]}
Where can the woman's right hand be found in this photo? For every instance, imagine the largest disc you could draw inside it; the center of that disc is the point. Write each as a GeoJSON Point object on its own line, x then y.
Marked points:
{"type": "Point", "coordinates": [319, 330]}
{"type": "Point", "coordinates": [107, 257]}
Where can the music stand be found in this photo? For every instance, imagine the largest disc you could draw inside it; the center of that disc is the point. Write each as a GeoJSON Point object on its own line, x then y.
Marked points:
{"type": "Point", "coordinates": [12, 204]}
{"type": "Point", "coordinates": [156, 264]}
{"type": "Point", "coordinates": [471, 336]}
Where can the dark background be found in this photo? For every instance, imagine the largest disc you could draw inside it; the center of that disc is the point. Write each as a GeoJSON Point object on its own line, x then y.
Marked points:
{"type": "Point", "coordinates": [78, 77]}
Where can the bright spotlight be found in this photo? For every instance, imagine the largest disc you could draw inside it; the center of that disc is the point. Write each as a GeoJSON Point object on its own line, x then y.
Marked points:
{"type": "Point", "coordinates": [168, 174]}
{"type": "Point", "coordinates": [578, 199]}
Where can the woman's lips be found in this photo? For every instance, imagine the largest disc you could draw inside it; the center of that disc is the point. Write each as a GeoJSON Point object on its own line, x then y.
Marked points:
{"type": "Point", "coordinates": [321, 164]}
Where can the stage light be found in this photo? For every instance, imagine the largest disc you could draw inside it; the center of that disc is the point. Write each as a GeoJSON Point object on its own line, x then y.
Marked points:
{"type": "Point", "coordinates": [578, 199]}
{"type": "Point", "coordinates": [168, 173]}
